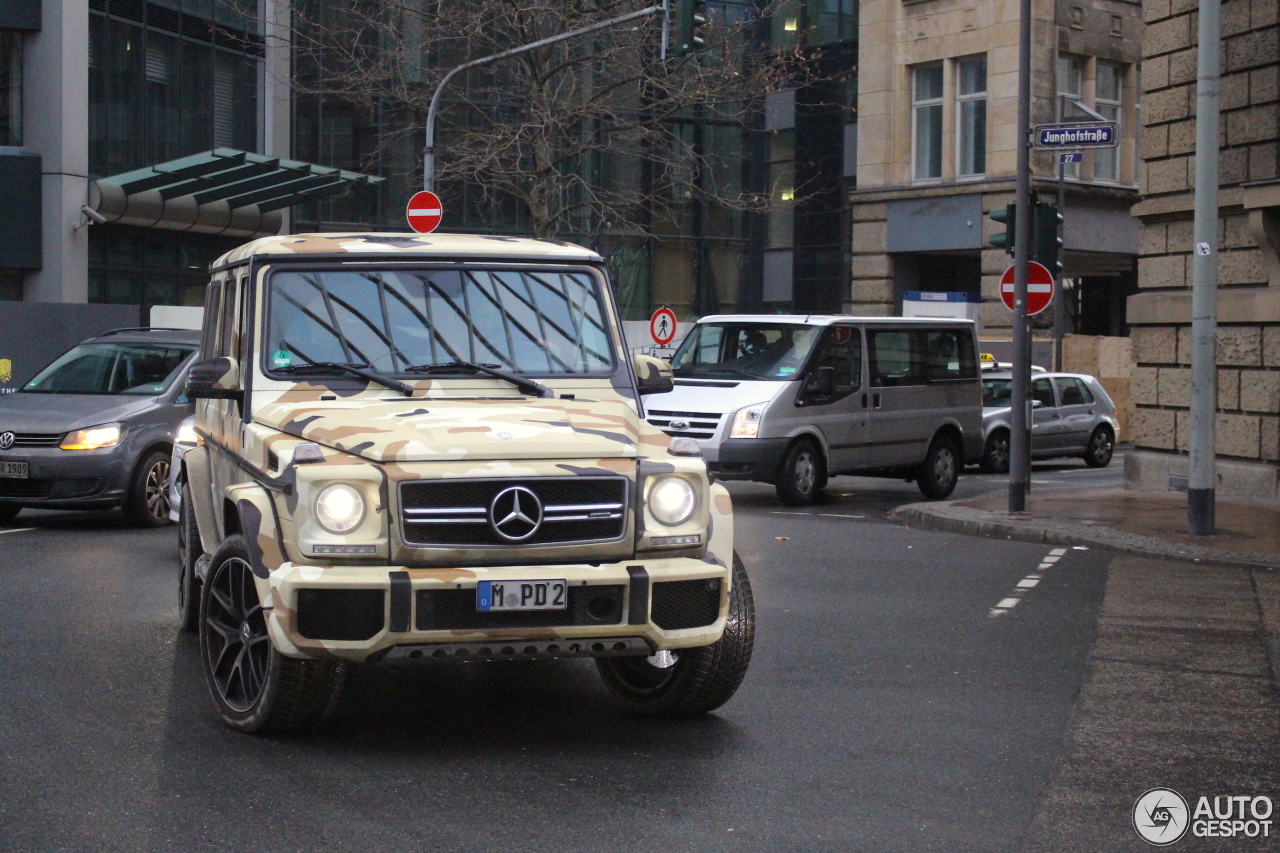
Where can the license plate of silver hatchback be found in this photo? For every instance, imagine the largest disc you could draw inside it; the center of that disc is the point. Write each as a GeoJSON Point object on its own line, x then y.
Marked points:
{"type": "Point", "coordinates": [505, 596]}
{"type": "Point", "coordinates": [13, 470]}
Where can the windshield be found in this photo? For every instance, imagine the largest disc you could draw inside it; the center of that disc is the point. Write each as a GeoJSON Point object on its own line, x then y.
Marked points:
{"type": "Point", "coordinates": [997, 392]}
{"type": "Point", "coordinates": [745, 350]}
{"type": "Point", "coordinates": [112, 368]}
{"type": "Point", "coordinates": [524, 321]}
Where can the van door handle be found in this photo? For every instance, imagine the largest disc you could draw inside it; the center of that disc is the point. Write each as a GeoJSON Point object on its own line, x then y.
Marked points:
{"type": "Point", "coordinates": [875, 399]}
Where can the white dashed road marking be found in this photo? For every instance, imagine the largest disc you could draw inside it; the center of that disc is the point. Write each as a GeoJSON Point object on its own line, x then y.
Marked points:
{"type": "Point", "coordinates": [18, 530]}
{"type": "Point", "coordinates": [1028, 583]}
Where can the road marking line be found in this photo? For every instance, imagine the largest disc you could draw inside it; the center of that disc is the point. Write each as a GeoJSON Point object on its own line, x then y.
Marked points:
{"type": "Point", "coordinates": [1027, 583]}
{"type": "Point", "coordinates": [1007, 603]}
{"type": "Point", "coordinates": [1050, 559]}
{"type": "Point", "coordinates": [838, 515]}
{"type": "Point", "coordinates": [19, 530]}
{"type": "Point", "coordinates": [1057, 552]}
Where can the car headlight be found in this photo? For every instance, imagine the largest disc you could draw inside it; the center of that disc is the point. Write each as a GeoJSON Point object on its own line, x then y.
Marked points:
{"type": "Point", "coordinates": [187, 435]}
{"type": "Point", "coordinates": [672, 500]}
{"type": "Point", "coordinates": [339, 508]}
{"type": "Point", "coordinates": [92, 438]}
{"type": "Point", "coordinates": [746, 423]}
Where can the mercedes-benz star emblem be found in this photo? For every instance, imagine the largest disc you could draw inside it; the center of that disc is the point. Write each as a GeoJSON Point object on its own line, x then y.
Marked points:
{"type": "Point", "coordinates": [6, 440]}
{"type": "Point", "coordinates": [679, 425]}
{"type": "Point", "coordinates": [515, 513]}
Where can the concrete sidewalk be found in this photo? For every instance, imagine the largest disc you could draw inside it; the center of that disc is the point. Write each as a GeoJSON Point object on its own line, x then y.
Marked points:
{"type": "Point", "coordinates": [1136, 522]}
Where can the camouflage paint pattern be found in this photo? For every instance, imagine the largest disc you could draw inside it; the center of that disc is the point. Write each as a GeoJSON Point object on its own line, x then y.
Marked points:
{"type": "Point", "coordinates": [375, 438]}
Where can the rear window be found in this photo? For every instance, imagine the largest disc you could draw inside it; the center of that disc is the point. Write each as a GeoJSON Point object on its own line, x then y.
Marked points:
{"type": "Point", "coordinates": [112, 368]}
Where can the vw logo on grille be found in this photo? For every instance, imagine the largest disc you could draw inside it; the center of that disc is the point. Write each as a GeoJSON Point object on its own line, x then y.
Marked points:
{"type": "Point", "coordinates": [515, 513]}
{"type": "Point", "coordinates": [679, 425]}
{"type": "Point", "coordinates": [6, 440]}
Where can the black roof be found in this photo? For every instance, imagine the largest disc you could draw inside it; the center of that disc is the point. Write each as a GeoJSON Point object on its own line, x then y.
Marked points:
{"type": "Point", "coordinates": [152, 334]}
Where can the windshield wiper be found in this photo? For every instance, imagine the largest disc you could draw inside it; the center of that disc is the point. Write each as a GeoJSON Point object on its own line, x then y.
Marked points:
{"type": "Point", "coordinates": [526, 385]}
{"type": "Point", "coordinates": [355, 370]}
{"type": "Point", "coordinates": [712, 371]}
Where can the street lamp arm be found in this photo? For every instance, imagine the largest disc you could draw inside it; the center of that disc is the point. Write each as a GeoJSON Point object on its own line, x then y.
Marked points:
{"type": "Point", "coordinates": [428, 154]}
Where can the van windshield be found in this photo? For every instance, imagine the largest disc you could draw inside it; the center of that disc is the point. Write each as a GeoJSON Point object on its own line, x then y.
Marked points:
{"type": "Point", "coordinates": [773, 351]}
{"type": "Point", "coordinates": [521, 321]}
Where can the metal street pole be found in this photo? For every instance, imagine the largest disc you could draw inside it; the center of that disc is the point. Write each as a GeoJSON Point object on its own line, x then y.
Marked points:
{"type": "Point", "coordinates": [1020, 432]}
{"type": "Point", "coordinates": [1059, 294]}
{"type": "Point", "coordinates": [1204, 280]}
{"type": "Point", "coordinates": [429, 149]}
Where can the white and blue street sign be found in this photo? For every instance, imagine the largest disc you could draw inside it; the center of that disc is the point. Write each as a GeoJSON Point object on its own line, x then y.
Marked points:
{"type": "Point", "coordinates": [1071, 157]}
{"type": "Point", "coordinates": [1075, 136]}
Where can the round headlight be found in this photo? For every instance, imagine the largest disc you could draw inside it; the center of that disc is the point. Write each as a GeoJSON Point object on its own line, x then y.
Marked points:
{"type": "Point", "coordinates": [672, 500]}
{"type": "Point", "coordinates": [339, 508]}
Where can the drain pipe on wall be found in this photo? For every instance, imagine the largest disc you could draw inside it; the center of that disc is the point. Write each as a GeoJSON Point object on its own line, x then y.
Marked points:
{"type": "Point", "coordinates": [1201, 481]}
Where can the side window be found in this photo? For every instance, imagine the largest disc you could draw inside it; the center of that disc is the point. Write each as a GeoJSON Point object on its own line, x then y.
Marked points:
{"type": "Point", "coordinates": [950, 354]}
{"type": "Point", "coordinates": [1042, 391]}
{"type": "Point", "coordinates": [1073, 392]}
{"type": "Point", "coordinates": [212, 309]}
{"type": "Point", "coordinates": [897, 357]}
{"type": "Point", "coordinates": [227, 326]}
{"type": "Point", "coordinates": [244, 331]}
{"type": "Point", "coordinates": [842, 350]}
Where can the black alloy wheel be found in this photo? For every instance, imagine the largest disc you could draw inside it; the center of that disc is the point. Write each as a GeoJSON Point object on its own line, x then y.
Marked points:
{"type": "Point", "coordinates": [1100, 449]}
{"type": "Point", "coordinates": [235, 643]}
{"type": "Point", "coordinates": [995, 454]}
{"type": "Point", "coordinates": [148, 503]}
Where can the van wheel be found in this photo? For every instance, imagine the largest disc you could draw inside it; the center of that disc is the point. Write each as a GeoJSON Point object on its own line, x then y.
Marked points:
{"type": "Point", "coordinates": [1101, 445]}
{"type": "Point", "coordinates": [256, 688]}
{"type": "Point", "coordinates": [701, 679]}
{"type": "Point", "coordinates": [148, 503]}
{"type": "Point", "coordinates": [189, 550]}
{"type": "Point", "coordinates": [802, 475]}
{"type": "Point", "coordinates": [995, 454]}
{"type": "Point", "coordinates": [938, 473]}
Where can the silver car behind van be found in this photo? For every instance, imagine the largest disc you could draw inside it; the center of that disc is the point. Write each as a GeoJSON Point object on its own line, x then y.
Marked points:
{"type": "Point", "coordinates": [794, 400]}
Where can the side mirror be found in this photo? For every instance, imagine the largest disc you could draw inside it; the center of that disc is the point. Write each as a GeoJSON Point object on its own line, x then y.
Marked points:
{"type": "Point", "coordinates": [214, 379]}
{"type": "Point", "coordinates": [822, 383]}
{"type": "Point", "coordinates": [653, 375]}
{"type": "Point", "coordinates": [1036, 404]}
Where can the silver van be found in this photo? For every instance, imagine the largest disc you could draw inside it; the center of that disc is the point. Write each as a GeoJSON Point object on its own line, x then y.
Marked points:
{"type": "Point", "coordinates": [794, 400]}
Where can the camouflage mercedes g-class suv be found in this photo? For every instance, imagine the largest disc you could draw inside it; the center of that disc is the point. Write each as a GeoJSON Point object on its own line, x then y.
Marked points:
{"type": "Point", "coordinates": [433, 447]}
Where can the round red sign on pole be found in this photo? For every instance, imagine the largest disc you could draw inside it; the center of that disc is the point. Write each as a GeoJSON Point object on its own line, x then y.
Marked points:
{"type": "Point", "coordinates": [1039, 287]}
{"type": "Point", "coordinates": [424, 212]}
{"type": "Point", "coordinates": [662, 326]}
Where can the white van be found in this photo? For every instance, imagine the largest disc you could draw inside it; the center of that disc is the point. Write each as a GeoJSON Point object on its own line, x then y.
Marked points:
{"type": "Point", "coordinates": [791, 400]}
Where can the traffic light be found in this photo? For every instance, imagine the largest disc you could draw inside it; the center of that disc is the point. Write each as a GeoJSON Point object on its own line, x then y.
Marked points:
{"type": "Point", "coordinates": [691, 17]}
{"type": "Point", "coordinates": [1047, 242]}
{"type": "Point", "coordinates": [1008, 216]}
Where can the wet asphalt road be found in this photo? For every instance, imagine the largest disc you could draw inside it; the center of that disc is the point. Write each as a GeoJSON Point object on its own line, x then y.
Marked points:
{"type": "Point", "coordinates": [884, 710]}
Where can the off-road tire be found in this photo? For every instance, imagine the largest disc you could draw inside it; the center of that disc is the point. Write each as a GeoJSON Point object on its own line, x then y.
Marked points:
{"type": "Point", "coordinates": [938, 474]}
{"type": "Point", "coordinates": [189, 550]}
{"type": "Point", "coordinates": [148, 501]}
{"type": "Point", "coordinates": [802, 474]}
{"type": "Point", "coordinates": [8, 512]}
{"type": "Point", "coordinates": [275, 694]}
{"type": "Point", "coordinates": [995, 453]}
{"type": "Point", "coordinates": [703, 678]}
{"type": "Point", "coordinates": [1101, 447]}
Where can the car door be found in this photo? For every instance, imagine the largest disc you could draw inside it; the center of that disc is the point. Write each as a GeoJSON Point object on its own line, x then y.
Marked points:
{"type": "Point", "coordinates": [1046, 421]}
{"type": "Point", "coordinates": [1078, 410]}
{"type": "Point", "coordinates": [842, 417]}
{"type": "Point", "coordinates": [224, 415]}
{"type": "Point", "coordinates": [899, 392]}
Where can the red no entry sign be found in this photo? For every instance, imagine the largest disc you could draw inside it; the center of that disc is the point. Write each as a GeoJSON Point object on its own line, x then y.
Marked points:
{"type": "Point", "coordinates": [424, 212]}
{"type": "Point", "coordinates": [662, 326]}
{"type": "Point", "coordinates": [1039, 288]}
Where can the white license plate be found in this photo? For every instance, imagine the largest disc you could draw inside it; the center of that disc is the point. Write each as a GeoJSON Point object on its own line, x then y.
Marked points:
{"type": "Point", "coordinates": [13, 469]}
{"type": "Point", "coordinates": [521, 595]}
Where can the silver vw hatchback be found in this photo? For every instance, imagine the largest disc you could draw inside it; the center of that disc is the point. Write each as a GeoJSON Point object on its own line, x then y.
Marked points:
{"type": "Point", "coordinates": [1072, 416]}
{"type": "Point", "coordinates": [94, 429]}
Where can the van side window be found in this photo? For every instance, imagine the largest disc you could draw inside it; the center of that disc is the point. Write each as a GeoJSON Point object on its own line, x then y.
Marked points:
{"type": "Point", "coordinates": [897, 357]}
{"type": "Point", "coordinates": [209, 334]}
{"type": "Point", "coordinates": [1042, 392]}
{"type": "Point", "coordinates": [842, 350]}
{"type": "Point", "coordinates": [951, 354]}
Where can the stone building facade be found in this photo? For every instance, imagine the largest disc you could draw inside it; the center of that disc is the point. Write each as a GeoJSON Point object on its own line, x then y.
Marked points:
{"type": "Point", "coordinates": [1248, 422]}
{"type": "Point", "coordinates": [932, 163]}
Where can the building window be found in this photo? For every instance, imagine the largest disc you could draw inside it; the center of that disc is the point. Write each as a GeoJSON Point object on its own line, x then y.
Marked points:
{"type": "Point", "coordinates": [10, 87]}
{"type": "Point", "coordinates": [971, 115]}
{"type": "Point", "coordinates": [1070, 73]}
{"type": "Point", "coordinates": [1106, 161]}
{"type": "Point", "coordinates": [926, 120]}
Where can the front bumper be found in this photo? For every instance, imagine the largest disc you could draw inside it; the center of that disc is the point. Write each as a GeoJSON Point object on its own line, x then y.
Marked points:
{"type": "Point", "coordinates": [359, 613]}
{"type": "Point", "coordinates": [69, 479]}
{"type": "Point", "coordinates": [749, 459]}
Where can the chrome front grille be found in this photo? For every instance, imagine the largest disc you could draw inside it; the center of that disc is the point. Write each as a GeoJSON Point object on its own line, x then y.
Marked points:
{"type": "Point", "coordinates": [456, 513]}
{"type": "Point", "coordinates": [36, 439]}
{"type": "Point", "coordinates": [691, 424]}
